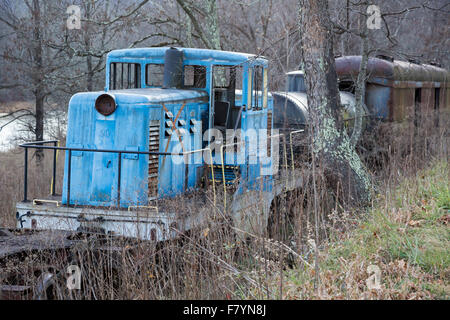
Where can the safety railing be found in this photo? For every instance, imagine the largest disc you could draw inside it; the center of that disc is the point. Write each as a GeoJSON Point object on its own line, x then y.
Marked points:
{"type": "Point", "coordinates": [281, 135]}
{"type": "Point", "coordinates": [223, 170]}
{"type": "Point", "coordinates": [42, 145]}
{"type": "Point", "coordinates": [39, 145]}
{"type": "Point", "coordinates": [186, 153]}
{"type": "Point", "coordinates": [56, 148]}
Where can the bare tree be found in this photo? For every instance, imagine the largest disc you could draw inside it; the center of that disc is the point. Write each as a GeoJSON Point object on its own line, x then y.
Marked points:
{"type": "Point", "coordinates": [49, 63]}
{"type": "Point", "coordinates": [330, 142]}
{"type": "Point", "coordinates": [205, 10]}
{"type": "Point", "coordinates": [28, 55]}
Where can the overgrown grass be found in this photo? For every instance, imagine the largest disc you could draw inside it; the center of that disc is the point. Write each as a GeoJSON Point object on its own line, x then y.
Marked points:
{"type": "Point", "coordinates": [12, 178]}
{"type": "Point", "coordinates": [405, 234]}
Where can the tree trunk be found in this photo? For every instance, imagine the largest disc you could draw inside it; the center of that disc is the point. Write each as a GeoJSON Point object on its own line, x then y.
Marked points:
{"type": "Point", "coordinates": [38, 78]}
{"type": "Point", "coordinates": [211, 27]}
{"type": "Point", "coordinates": [331, 144]}
{"type": "Point", "coordinates": [87, 46]}
{"type": "Point", "coordinates": [208, 31]}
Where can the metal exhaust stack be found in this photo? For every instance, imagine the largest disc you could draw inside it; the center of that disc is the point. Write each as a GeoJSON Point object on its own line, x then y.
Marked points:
{"type": "Point", "coordinates": [173, 68]}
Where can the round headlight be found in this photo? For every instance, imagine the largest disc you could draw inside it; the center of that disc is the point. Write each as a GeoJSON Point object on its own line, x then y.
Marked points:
{"type": "Point", "coordinates": [105, 104]}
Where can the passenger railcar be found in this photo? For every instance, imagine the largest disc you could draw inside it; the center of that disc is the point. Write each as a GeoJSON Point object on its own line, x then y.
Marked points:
{"type": "Point", "coordinates": [395, 90]}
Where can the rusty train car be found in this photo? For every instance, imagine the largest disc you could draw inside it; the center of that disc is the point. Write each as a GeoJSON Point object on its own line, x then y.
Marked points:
{"type": "Point", "coordinates": [395, 90]}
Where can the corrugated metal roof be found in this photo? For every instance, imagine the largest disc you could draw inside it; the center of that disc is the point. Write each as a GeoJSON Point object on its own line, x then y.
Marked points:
{"type": "Point", "coordinates": [408, 71]}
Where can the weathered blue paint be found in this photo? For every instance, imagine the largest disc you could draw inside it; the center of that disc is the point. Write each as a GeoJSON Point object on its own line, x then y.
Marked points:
{"type": "Point", "coordinates": [190, 54]}
{"type": "Point", "coordinates": [94, 176]}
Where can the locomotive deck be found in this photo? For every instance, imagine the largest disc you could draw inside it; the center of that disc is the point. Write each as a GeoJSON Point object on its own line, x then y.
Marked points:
{"type": "Point", "coordinates": [162, 219]}
{"type": "Point", "coordinates": [156, 222]}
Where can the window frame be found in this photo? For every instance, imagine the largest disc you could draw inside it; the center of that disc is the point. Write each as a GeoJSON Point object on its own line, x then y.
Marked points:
{"type": "Point", "coordinates": [257, 81]}
{"type": "Point", "coordinates": [118, 83]}
{"type": "Point", "coordinates": [147, 75]}
{"type": "Point", "coordinates": [204, 73]}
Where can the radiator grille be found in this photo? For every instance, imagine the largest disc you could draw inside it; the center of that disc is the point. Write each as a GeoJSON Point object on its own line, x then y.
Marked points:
{"type": "Point", "coordinates": [153, 160]}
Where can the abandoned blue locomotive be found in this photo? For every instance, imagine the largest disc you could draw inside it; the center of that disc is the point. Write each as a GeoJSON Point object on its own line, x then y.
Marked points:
{"type": "Point", "coordinates": [146, 139]}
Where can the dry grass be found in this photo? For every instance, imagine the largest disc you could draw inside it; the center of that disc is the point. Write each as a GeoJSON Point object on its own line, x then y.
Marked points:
{"type": "Point", "coordinates": [403, 233]}
{"type": "Point", "coordinates": [12, 177]}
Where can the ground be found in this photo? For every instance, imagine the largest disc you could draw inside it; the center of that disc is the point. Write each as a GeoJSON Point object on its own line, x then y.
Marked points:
{"type": "Point", "coordinates": [405, 236]}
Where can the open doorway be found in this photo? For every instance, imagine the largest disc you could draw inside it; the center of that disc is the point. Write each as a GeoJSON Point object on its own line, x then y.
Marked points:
{"type": "Point", "coordinates": [227, 81]}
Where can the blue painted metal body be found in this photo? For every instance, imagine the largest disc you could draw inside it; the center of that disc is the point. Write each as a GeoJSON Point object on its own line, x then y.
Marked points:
{"type": "Point", "coordinates": [94, 176]}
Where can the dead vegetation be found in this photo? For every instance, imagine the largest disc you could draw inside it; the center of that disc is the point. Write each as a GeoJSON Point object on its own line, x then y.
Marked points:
{"type": "Point", "coordinates": [404, 233]}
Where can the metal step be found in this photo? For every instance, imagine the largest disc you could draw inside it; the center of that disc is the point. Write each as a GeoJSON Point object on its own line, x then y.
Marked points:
{"type": "Point", "coordinates": [230, 174]}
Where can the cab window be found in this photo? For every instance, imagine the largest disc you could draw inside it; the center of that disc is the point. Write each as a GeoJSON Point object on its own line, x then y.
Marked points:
{"type": "Point", "coordinates": [195, 76]}
{"type": "Point", "coordinates": [257, 88]}
{"type": "Point", "coordinates": [154, 75]}
{"type": "Point", "coordinates": [124, 76]}
{"type": "Point", "coordinates": [228, 76]}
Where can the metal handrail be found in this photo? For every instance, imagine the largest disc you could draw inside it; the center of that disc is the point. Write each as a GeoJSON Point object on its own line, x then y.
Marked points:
{"type": "Point", "coordinates": [212, 168]}
{"type": "Point", "coordinates": [223, 170]}
{"type": "Point", "coordinates": [38, 145]}
{"type": "Point", "coordinates": [55, 148]}
{"type": "Point", "coordinates": [243, 142]}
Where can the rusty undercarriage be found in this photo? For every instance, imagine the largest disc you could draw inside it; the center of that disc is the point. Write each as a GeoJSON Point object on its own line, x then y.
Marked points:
{"type": "Point", "coordinates": [34, 263]}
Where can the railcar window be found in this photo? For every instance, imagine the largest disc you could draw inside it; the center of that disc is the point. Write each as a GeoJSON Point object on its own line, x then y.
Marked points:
{"type": "Point", "coordinates": [124, 76]}
{"type": "Point", "coordinates": [195, 76]}
{"type": "Point", "coordinates": [437, 96]}
{"type": "Point", "coordinates": [347, 85]}
{"type": "Point", "coordinates": [296, 83]}
{"type": "Point", "coordinates": [417, 106]}
{"type": "Point", "coordinates": [226, 80]}
{"type": "Point", "coordinates": [154, 75]}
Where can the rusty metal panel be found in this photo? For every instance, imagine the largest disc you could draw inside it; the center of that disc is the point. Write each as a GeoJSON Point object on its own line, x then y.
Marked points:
{"type": "Point", "coordinates": [403, 103]}
{"type": "Point", "coordinates": [427, 104]}
{"type": "Point", "coordinates": [396, 73]}
{"type": "Point", "coordinates": [408, 71]}
{"type": "Point", "coordinates": [348, 67]}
